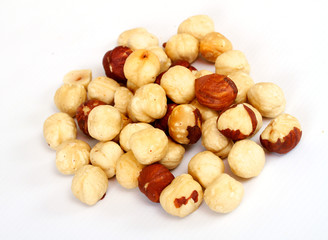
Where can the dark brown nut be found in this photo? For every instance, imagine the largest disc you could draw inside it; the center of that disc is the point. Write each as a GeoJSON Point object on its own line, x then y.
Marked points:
{"type": "Point", "coordinates": [82, 114]}
{"type": "Point", "coordinates": [282, 134]}
{"type": "Point", "coordinates": [163, 122]}
{"type": "Point", "coordinates": [153, 179]}
{"type": "Point", "coordinates": [215, 91]}
{"type": "Point", "coordinates": [113, 63]}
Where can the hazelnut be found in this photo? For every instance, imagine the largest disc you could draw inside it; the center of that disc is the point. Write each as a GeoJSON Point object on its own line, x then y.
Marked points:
{"type": "Point", "coordinates": [205, 112]}
{"type": "Point", "coordinates": [231, 61]}
{"type": "Point", "coordinates": [82, 77]}
{"type": "Point", "coordinates": [202, 73]}
{"type": "Point", "coordinates": [149, 145]}
{"type": "Point", "coordinates": [215, 91]}
{"type": "Point", "coordinates": [103, 89]}
{"type": "Point", "coordinates": [137, 38]}
{"type": "Point", "coordinates": [224, 194]}
{"type": "Point", "coordinates": [164, 60]}
{"type": "Point", "coordinates": [131, 86]}
{"type": "Point", "coordinates": [69, 97]}
{"type": "Point", "coordinates": [267, 98]}
{"type": "Point", "coordinates": [163, 122]}
{"type": "Point", "coordinates": [185, 64]}
{"type": "Point", "coordinates": [182, 46]}
{"type": "Point", "coordinates": [71, 155]}
{"type": "Point", "coordinates": [213, 45]}
{"type": "Point", "coordinates": [205, 167]}
{"type": "Point", "coordinates": [282, 134]}
{"type": "Point", "coordinates": [125, 121]}
{"type": "Point", "coordinates": [246, 159]}
{"type": "Point", "coordinates": [122, 98]}
{"type": "Point", "coordinates": [128, 170]}
{"type": "Point", "coordinates": [243, 83]}
{"type": "Point", "coordinates": [185, 124]}
{"type": "Point", "coordinates": [57, 128]}
{"type": "Point", "coordinates": [198, 26]}
{"type": "Point", "coordinates": [173, 156]}
{"type": "Point", "coordinates": [89, 184]}
{"type": "Point", "coordinates": [105, 156]}
{"type": "Point", "coordinates": [182, 197]}
{"type": "Point", "coordinates": [153, 179]}
{"type": "Point", "coordinates": [104, 123]}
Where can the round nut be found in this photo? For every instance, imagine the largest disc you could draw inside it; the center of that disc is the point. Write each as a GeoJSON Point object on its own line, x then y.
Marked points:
{"type": "Point", "coordinates": [164, 60]}
{"type": "Point", "coordinates": [125, 121]}
{"type": "Point", "coordinates": [231, 61]}
{"type": "Point", "coordinates": [71, 155]}
{"type": "Point", "coordinates": [58, 128]}
{"type": "Point", "coordinates": [105, 156]}
{"type": "Point", "coordinates": [185, 64]}
{"type": "Point", "coordinates": [213, 45]}
{"type": "Point", "coordinates": [224, 194]}
{"type": "Point", "coordinates": [137, 38]}
{"type": "Point", "coordinates": [163, 122]}
{"type": "Point", "coordinates": [104, 123]}
{"type": "Point", "coordinates": [198, 26]}
{"type": "Point", "coordinates": [205, 112]}
{"type": "Point", "coordinates": [267, 98]}
{"type": "Point", "coordinates": [122, 98]}
{"type": "Point", "coordinates": [182, 197]}
{"type": "Point", "coordinates": [82, 77]}
{"type": "Point", "coordinates": [246, 159]}
{"type": "Point", "coordinates": [103, 89]}
{"type": "Point", "coordinates": [282, 134]}
{"type": "Point", "coordinates": [89, 184]}
{"type": "Point", "coordinates": [243, 83]}
{"type": "Point", "coordinates": [205, 167]}
{"type": "Point", "coordinates": [174, 155]}
{"type": "Point", "coordinates": [202, 73]}
{"type": "Point", "coordinates": [69, 97]}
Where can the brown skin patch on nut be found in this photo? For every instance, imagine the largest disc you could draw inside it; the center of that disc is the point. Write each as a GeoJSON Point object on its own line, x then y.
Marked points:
{"type": "Point", "coordinates": [163, 122]}
{"type": "Point", "coordinates": [178, 202]}
{"type": "Point", "coordinates": [252, 117]}
{"type": "Point", "coordinates": [195, 132]}
{"type": "Point", "coordinates": [185, 64]}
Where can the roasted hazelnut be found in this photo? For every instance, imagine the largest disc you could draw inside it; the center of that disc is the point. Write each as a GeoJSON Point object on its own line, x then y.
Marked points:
{"type": "Point", "coordinates": [231, 61]}
{"type": "Point", "coordinates": [163, 122]}
{"type": "Point", "coordinates": [243, 83]}
{"type": "Point", "coordinates": [122, 98]}
{"type": "Point", "coordinates": [174, 155]}
{"type": "Point", "coordinates": [205, 112]}
{"type": "Point", "coordinates": [103, 89]}
{"type": "Point", "coordinates": [198, 26]}
{"type": "Point", "coordinates": [213, 45]}
{"type": "Point", "coordinates": [137, 38]}
{"type": "Point", "coordinates": [215, 91]}
{"type": "Point", "coordinates": [164, 60]}
{"type": "Point", "coordinates": [82, 77]}
{"type": "Point", "coordinates": [153, 179]}
{"type": "Point", "coordinates": [282, 134]}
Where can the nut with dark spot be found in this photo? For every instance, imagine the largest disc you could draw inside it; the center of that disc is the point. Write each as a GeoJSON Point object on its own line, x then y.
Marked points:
{"type": "Point", "coordinates": [163, 122]}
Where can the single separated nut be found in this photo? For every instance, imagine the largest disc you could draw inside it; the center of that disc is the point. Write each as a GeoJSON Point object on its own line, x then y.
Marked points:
{"type": "Point", "coordinates": [205, 167]}
{"type": "Point", "coordinates": [213, 45]}
{"type": "Point", "coordinates": [103, 89]}
{"type": "Point", "coordinates": [246, 159]}
{"type": "Point", "coordinates": [224, 194]}
{"type": "Point", "coordinates": [243, 83]}
{"type": "Point", "coordinates": [268, 98]}
{"type": "Point", "coordinates": [82, 77]}
{"type": "Point", "coordinates": [231, 61]}
{"type": "Point", "coordinates": [164, 60]}
{"type": "Point", "coordinates": [137, 38]}
{"type": "Point", "coordinates": [205, 112]}
{"type": "Point", "coordinates": [122, 98]}
{"type": "Point", "coordinates": [58, 128]}
{"type": "Point", "coordinates": [182, 197]}
{"type": "Point", "coordinates": [185, 124]}
{"type": "Point", "coordinates": [282, 134]}
{"type": "Point", "coordinates": [174, 155]}
{"type": "Point", "coordinates": [198, 26]}
{"type": "Point", "coordinates": [69, 97]}
{"type": "Point", "coordinates": [71, 155]}
{"type": "Point", "coordinates": [89, 184]}
{"type": "Point", "coordinates": [104, 122]}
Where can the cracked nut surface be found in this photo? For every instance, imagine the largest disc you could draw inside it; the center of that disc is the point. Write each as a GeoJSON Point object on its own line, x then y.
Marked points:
{"type": "Point", "coordinates": [213, 45]}
{"type": "Point", "coordinates": [82, 77]}
{"type": "Point", "coordinates": [103, 89]}
{"type": "Point", "coordinates": [174, 155]}
{"type": "Point", "coordinates": [198, 26]}
{"type": "Point", "coordinates": [231, 61]}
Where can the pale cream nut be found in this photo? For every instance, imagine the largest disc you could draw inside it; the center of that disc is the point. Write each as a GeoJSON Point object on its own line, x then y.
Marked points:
{"type": "Point", "coordinates": [58, 128]}
{"type": "Point", "coordinates": [103, 89]}
{"type": "Point", "coordinates": [122, 98]}
{"type": "Point", "coordinates": [243, 83]}
{"type": "Point", "coordinates": [164, 60]}
{"type": "Point", "coordinates": [213, 45]}
{"type": "Point", "coordinates": [131, 86]}
{"type": "Point", "coordinates": [202, 73]}
{"type": "Point", "coordinates": [231, 61]}
{"type": "Point", "coordinates": [174, 155]}
{"type": "Point", "coordinates": [198, 26]}
{"type": "Point", "coordinates": [137, 38]}
{"type": "Point", "coordinates": [82, 77]}
{"type": "Point", "coordinates": [125, 121]}
{"type": "Point", "coordinates": [224, 194]}
{"type": "Point", "coordinates": [205, 112]}
{"type": "Point", "coordinates": [89, 184]}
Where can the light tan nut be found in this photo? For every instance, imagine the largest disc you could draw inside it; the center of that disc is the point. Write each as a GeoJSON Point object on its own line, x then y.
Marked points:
{"type": "Point", "coordinates": [128, 170]}
{"type": "Point", "coordinates": [259, 119]}
{"type": "Point", "coordinates": [82, 77]}
{"type": "Point", "coordinates": [131, 86]}
{"type": "Point", "coordinates": [125, 121]}
{"type": "Point", "coordinates": [174, 155]}
{"type": "Point", "coordinates": [243, 83]}
{"type": "Point", "coordinates": [201, 73]}
{"type": "Point", "coordinates": [246, 159]}
{"type": "Point", "coordinates": [268, 98]}
{"type": "Point", "coordinates": [224, 194]}
{"type": "Point", "coordinates": [205, 112]}
{"type": "Point", "coordinates": [141, 67]}
{"type": "Point", "coordinates": [149, 145]}
{"type": "Point", "coordinates": [231, 61]}
{"type": "Point", "coordinates": [198, 26]}
{"type": "Point", "coordinates": [179, 84]}
{"type": "Point", "coordinates": [122, 98]}
{"type": "Point", "coordinates": [205, 167]}
{"type": "Point", "coordinates": [164, 60]}
{"type": "Point", "coordinates": [71, 155]}
{"type": "Point", "coordinates": [282, 134]}
{"type": "Point", "coordinates": [182, 197]}
{"type": "Point", "coordinates": [104, 123]}
{"type": "Point", "coordinates": [137, 38]}
{"type": "Point", "coordinates": [105, 156]}
{"type": "Point", "coordinates": [69, 97]}
{"type": "Point", "coordinates": [89, 184]}
{"type": "Point", "coordinates": [58, 128]}
{"type": "Point", "coordinates": [213, 45]}
{"type": "Point", "coordinates": [103, 89]}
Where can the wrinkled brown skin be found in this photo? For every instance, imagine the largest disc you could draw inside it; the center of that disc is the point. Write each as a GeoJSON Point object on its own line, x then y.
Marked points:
{"type": "Point", "coordinates": [288, 143]}
{"type": "Point", "coordinates": [163, 122]}
{"type": "Point", "coordinates": [195, 132]}
{"type": "Point", "coordinates": [178, 202]}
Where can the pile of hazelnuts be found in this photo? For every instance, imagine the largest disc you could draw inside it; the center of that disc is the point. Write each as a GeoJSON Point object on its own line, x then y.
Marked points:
{"type": "Point", "coordinates": [151, 103]}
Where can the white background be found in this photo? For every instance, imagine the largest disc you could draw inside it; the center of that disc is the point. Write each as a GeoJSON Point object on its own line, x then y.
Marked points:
{"type": "Point", "coordinates": [285, 43]}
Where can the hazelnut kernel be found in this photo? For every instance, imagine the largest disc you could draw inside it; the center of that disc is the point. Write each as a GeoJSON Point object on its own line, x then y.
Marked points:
{"type": "Point", "coordinates": [213, 45]}
{"type": "Point", "coordinates": [82, 77]}
{"type": "Point", "coordinates": [231, 61]}
{"type": "Point", "coordinates": [103, 89]}
{"type": "Point", "coordinates": [198, 26]}
{"type": "Point", "coordinates": [173, 156]}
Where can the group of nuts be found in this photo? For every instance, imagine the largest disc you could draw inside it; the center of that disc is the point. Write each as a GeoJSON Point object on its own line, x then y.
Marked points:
{"type": "Point", "coordinates": [151, 103]}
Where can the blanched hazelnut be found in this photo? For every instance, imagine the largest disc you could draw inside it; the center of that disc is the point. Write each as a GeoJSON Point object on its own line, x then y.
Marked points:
{"type": "Point", "coordinates": [243, 83]}
{"type": "Point", "coordinates": [164, 60]}
{"type": "Point", "coordinates": [122, 98]}
{"type": "Point", "coordinates": [182, 197]}
{"type": "Point", "coordinates": [149, 145]}
{"type": "Point", "coordinates": [213, 45]}
{"type": "Point", "coordinates": [137, 38]}
{"type": "Point", "coordinates": [82, 77]}
{"type": "Point", "coordinates": [224, 194]}
{"type": "Point", "coordinates": [58, 128]}
{"type": "Point", "coordinates": [71, 155]}
{"type": "Point", "coordinates": [205, 167]}
{"type": "Point", "coordinates": [131, 86]}
{"type": "Point", "coordinates": [282, 134]}
{"type": "Point", "coordinates": [268, 98]}
{"type": "Point", "coordinates": [163, 122]}
{"type": "Point", "coordinates": [128, 131]}
{"type": "Point", "coordinates": [103, 89]}
{"type": "Point", "coordinates": [174, 155]}
{"type": "Point", "coordinates": [104, 122]}
{"type": "Point", "coordinates": [182, 46]}
{"type": "Point", "coordinates": [198, 26]}
{"type": "Point", "coordinates": [89, 184]}
{"type": "Point", "coordinates": [179, 84]}
{"type": "Point", "coordinates": [231, 61]}
{"type": "Point", "coordinates": [201, 73]}
{"type": "Point", "coordinates": [69, 97]}
{"type": "Point", "coordinates": [105, 156]}
{"type": "Point", "coordinates": [128, 170]}
{"type": "Point", "coordinates": [205, 112]}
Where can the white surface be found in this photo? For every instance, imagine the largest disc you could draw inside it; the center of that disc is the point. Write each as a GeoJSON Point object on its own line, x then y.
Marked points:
{"type": "Point", "coordinates": [284, 41]}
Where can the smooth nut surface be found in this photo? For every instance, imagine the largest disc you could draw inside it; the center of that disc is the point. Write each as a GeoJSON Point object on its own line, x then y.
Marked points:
{"type": "Point", "coordinates": [122, 98]}
{"type": "Point", "coordinates": [174, 155]}
{"type": "Point", "coordinates": [82, 77]}
{"type": "Point", "coordinates": [213, 45]}
{"type": "Point", "coordinates": [198, 26]}
{"type": "Point", "coordinates": [137, 38]}
{"type": "Point", "coordinates": [231, 61]}
{"type": "Point", "coordinates": [103, 89]}
{"type": "Point", "coordinates": [164, 60]}
{"type": "Point", "coordinates": [205, 112]}
{"type": "Point", "coordinates": [243, 83]}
